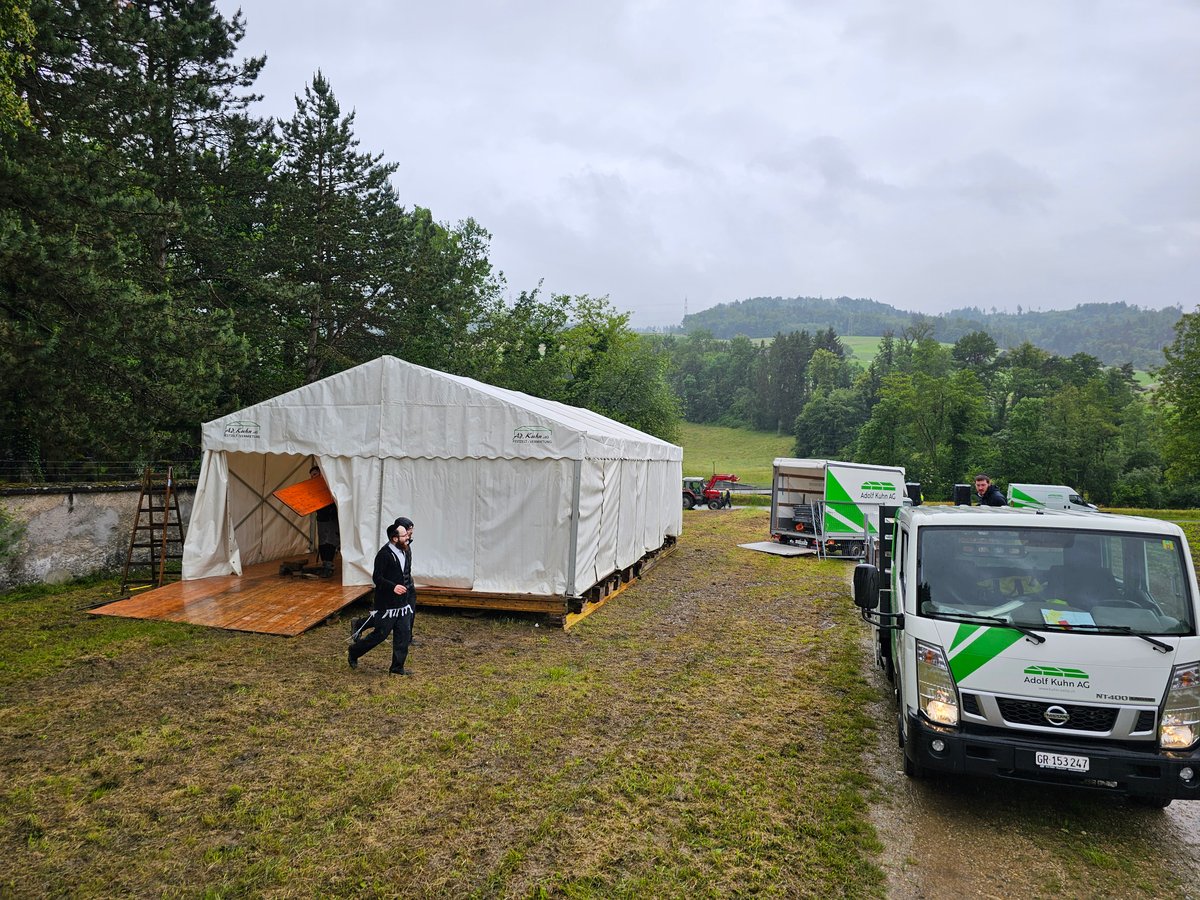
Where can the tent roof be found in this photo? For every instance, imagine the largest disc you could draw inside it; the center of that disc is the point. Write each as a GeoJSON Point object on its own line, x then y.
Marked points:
{"type": "Point", "coordinates": [389, 408]}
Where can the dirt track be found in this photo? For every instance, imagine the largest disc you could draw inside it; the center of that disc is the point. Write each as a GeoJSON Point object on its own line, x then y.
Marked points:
{"type": "Point", "coordinates": [957, 837]}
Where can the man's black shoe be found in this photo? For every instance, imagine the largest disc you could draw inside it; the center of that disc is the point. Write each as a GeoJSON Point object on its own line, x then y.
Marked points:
{"type": "Point", "coordinates": [399, 671]}
{"type": "Point", "coordinates": [350, 659]}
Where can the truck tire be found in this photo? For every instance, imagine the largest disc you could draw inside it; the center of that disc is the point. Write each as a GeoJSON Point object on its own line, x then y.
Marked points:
{"type": "Point", "coordinates": [913, 770]}
{"type": "Point", "coordinates": [1152, 802]}
{"type": "Point", "coordinates": [883, 656]}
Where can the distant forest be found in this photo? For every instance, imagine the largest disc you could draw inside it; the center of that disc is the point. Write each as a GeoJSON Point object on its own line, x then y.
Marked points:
{"type": "Point", "coordinates": [945, 412]}
{"type": "Point", "coordinates": [1114, 333]}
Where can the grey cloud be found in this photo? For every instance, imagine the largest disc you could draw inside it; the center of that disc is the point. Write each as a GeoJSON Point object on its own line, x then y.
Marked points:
{"type": "Point", "coordinates": [926, 155]}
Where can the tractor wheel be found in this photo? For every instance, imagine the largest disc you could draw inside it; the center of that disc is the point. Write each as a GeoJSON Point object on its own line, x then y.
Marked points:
{"type": "Point", "coordinates": [714, 504]}
{"type": "Point", "coordinates": [688, 501]}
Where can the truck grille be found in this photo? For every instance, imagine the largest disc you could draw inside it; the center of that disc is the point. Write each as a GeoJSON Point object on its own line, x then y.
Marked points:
{"type": "Point", "coordinates": [1082, 718]}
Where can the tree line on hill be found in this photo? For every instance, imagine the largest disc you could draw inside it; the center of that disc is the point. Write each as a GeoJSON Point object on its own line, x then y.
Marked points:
{"type": "Point", "coordinates": [1115, 333]}
{"type": "Point", "coordinates": [1023, 414]}
{"type": "Point", "coordinates": [168, 257]}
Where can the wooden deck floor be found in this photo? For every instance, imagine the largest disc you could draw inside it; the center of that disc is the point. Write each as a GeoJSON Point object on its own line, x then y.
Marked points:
{"type": "Point", "coordinates": [260, 600]}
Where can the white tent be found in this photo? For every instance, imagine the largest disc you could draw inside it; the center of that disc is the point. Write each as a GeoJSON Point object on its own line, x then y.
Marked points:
{"type": "Point", "coordinates": [509, 493]}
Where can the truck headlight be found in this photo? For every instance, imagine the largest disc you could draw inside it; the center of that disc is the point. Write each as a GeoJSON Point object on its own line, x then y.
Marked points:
{"type": "Point", "coordinates": [1180, 725]}
{"type": "Point", "coordinates": [936, 696]}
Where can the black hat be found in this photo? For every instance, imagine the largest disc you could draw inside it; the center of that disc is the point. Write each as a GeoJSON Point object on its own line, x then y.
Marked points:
{"type": "Point", "coordinates": [403, 522]}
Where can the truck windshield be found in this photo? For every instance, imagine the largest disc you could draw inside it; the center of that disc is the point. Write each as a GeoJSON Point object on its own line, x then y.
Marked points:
{"type": "Point", "coordinates": [1056, 579]}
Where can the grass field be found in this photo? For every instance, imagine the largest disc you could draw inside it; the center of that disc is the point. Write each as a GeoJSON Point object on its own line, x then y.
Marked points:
{"type": "Point", "coordinates": [708, 733]}
{"type": "Point", "coordinates": [861, 349]}
{"type": "Point", "coordinates": [702, 735]}
{"type": "Point", "coordinates": [708, 449]}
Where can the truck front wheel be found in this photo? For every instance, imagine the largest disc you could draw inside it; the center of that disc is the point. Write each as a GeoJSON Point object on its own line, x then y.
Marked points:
{"type": "Point", "coordinates": [912, 769]}
{"type": "Point", "coordinates": [1152, 802]}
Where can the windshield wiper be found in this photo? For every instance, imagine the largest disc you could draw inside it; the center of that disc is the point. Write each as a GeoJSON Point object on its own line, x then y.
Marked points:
{"type": "Point", "coordinates": [992, 620]}
{"type": "Point", "coordinates": [1161, 646]}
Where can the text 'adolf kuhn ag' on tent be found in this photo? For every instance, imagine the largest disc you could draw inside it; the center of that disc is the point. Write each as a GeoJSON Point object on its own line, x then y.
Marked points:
{"type": "Point", "coordinates": [510, 494]}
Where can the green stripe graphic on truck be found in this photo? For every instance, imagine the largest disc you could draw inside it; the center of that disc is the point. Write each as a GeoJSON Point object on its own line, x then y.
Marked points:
{"type": "Point", "coordinates": [842, 514]}
{"type": "Point", "coordinates": [1020, 499]}
{"type": "Point", "coordinates": [977, 653]}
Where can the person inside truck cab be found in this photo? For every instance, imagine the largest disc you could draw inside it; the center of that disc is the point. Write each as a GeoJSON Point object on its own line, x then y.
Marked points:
{"type": "Point", "coordinates": [986, 493]}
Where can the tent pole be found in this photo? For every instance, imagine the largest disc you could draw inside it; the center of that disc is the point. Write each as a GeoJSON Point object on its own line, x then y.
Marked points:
{"type": "Point", "coordinates": [577, 465]}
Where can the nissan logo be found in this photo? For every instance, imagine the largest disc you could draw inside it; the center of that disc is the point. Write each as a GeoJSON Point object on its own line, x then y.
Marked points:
{"type": "Point", "coordinates": [1056, 715]}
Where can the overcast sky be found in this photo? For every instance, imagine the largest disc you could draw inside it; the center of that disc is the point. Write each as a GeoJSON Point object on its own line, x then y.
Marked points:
{"type": "Point", "coordinates": [930, 155]}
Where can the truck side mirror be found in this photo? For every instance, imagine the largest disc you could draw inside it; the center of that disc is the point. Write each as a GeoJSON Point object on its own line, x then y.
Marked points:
{"type": "Point", "coordinates": [866, 586]}
{"type": "Point", "coordinates": [913, 490]}
{"type": "Point", "coordinates": [962, 495]}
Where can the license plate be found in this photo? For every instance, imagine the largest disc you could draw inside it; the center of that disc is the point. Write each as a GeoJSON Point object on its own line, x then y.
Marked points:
{"type": "Point", "coordinates": [1062, 761]}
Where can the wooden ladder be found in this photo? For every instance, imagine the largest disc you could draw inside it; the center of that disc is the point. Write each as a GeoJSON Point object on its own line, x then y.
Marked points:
{"type": "Point", "coordinates": [157, 536]}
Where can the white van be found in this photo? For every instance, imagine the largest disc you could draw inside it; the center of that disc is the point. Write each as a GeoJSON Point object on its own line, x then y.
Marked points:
{"type": "Point", "coordinates": [1040, 645]}
{"type": "Point", "coordinates": [1047, 496]}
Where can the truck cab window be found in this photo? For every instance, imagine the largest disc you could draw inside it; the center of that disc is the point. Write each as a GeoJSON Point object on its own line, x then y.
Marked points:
{"type": "Point", "coordinates": [1042, 577]}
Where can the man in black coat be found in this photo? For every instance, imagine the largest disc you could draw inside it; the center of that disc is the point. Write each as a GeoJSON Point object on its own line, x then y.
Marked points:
{"type": "Point", "coordinates": [394, 599]}
{"type": "Point", "coordinates": [986, 493]}
{"type": "Point", "coordinates": [329, 536]}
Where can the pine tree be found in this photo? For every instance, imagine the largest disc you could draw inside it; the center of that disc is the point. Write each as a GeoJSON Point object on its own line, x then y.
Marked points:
{"type": "Point", "coordinates": [337, 238]}
{"type": "Point", "coordinates": [110, 314]}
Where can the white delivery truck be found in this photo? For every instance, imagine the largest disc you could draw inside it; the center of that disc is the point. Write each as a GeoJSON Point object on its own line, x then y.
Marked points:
{"type": "Point", "coordinates": [1040, 646]}
{"type": "Point", "coordinates": [829, 505]}
{"type": "Point", "coordinates": [1046, 496]}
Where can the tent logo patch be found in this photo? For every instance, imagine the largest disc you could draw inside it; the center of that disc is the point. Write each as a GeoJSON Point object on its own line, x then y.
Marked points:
{"type": "Point", "coordinates": [242, 430]}
{"type": "Point", "coordinates": [533, 434]}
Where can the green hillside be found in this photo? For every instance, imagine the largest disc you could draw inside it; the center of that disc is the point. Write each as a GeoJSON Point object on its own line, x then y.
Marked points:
{"type": "Point", "coordinates": [708, 449]}
{"type": "Point", "coordinates": [1115, 333]}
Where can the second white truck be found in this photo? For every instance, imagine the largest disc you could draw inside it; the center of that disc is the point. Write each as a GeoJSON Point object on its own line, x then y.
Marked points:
{"type": "Point", "coordinates": [1046, 496]}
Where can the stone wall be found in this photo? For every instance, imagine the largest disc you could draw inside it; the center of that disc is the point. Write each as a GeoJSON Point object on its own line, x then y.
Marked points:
{"type": "Point", "coordinates": [75, 530]}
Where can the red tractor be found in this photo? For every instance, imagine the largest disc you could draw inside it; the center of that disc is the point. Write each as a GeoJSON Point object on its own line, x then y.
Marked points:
{"type": "Point", "coordinates": [714, 492]}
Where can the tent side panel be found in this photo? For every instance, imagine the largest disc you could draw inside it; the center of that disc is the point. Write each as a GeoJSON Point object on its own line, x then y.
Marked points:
{"type": "Point", "coordinates": [630, 515]}
{"type": "Point", "coordinates": [671, 502]}
{"type": "Point", "coordinates": [591, 498]}
{"type": "Point", "coordinates": [356, 485]}
{"type": "Point", "coordinates": [210, 547]}
{"type": "Point", "coordinates": [610, 521]}
{"type": "Point", "coordinates": [439, 495]}
{"type": "Point", "coordinates": [523, 525]}
{"type": "Point", "coordinates": [663, 508]}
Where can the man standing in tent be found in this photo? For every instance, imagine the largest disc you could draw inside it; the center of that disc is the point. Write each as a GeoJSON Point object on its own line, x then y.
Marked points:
{"type": "Point", "coordinates": [392, 612]}
{"type": "Point", "coordinates": [329, 535]}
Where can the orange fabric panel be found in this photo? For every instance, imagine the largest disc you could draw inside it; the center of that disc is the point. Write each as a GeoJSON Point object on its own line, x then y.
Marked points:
{"type": "Point", "coordinates": [307, 496]}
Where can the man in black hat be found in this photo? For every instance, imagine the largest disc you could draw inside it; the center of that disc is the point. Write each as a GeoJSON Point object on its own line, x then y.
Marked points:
{"type": "Point", "coordinates": [392, 612]}
{"type": "Point", "coordinates": [407, 524]}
